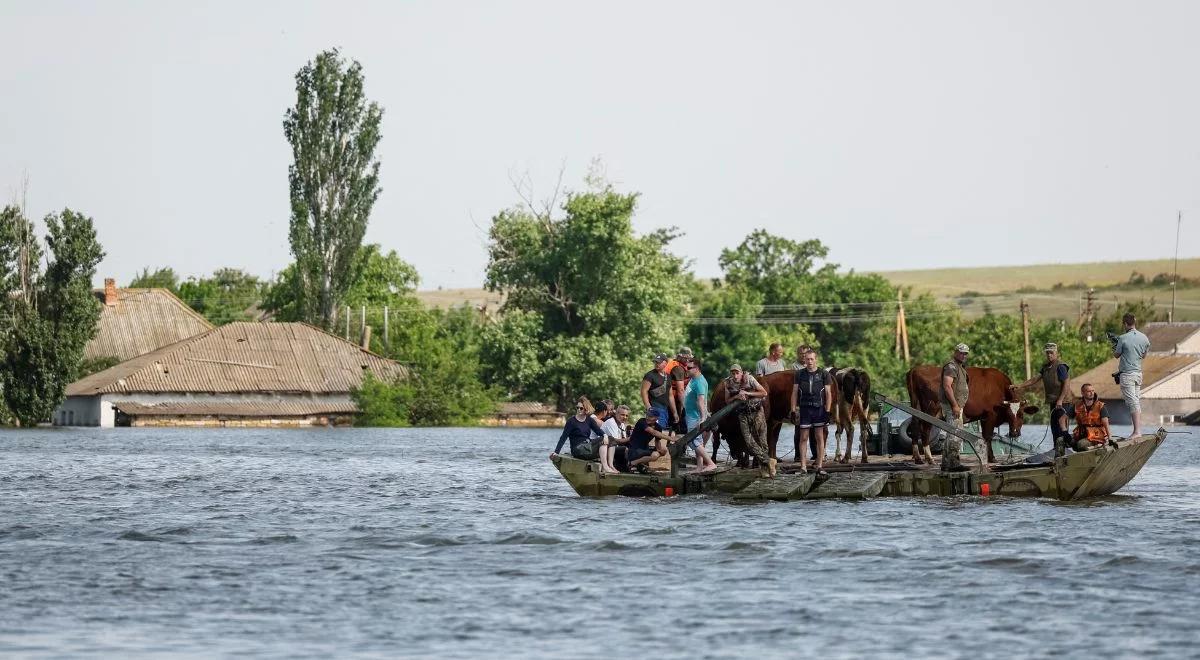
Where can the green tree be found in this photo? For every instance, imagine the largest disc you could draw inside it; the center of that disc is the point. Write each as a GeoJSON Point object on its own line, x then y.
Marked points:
{"type": "Point", "coordinates": [52, 314]}
{"type": "Point", "coordinates": [592, 300]}
{"type": "Point", "coordinates": [334, 181]}
{"type": "Point", "coordinates": [163, 278]}
{"type": "Point", "coordinates": [228, 296]}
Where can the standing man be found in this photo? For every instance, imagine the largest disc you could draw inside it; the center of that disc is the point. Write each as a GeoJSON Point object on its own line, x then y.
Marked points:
{"type": "Point", "coordinates": [955, 391]}
{"type": "Point", "coordinates": [677, 369]}
{"type": "Point", "coordinates": [695, 411]}
{"type": "Point", "coordinates": [1131, 347]}
{"type": "Point", "coordinates": [741, 386]}
{"type": "Point", "coordinates": [1056, 380]}
{"type": "Point", "coordinates": [812, 398]}
{"type": "Point", "coordinates": [656, 390]}
{"type": "Point", "coordinates": [801, 350]}
{"type": "Point", "coordinates": [772, 363]}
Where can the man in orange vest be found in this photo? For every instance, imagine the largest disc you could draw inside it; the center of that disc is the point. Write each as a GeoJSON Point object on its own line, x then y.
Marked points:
{"type": "Point", "coordinates": [1091, 421]}
{"type": "Point", "coordinates": [678, 371]}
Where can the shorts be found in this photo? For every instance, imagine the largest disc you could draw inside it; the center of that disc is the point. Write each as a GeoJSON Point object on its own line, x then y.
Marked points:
{"type": "Point", "coordinates": [588, 450]}
{"type": "Point", "coordinates": [693, 422]}
{"type": "Point", "coordinates": [663, 417]}
{"type": "Point", "coordinates": [633, 453]}
{"type": "Point", "coordinates": [1131, 390]}
{"type": "Point", "coordinates": [808, 417]}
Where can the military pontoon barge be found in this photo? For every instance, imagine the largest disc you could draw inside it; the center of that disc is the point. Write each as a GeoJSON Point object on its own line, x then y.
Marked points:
{"type": "Point", "coordinates": [1078, 475]}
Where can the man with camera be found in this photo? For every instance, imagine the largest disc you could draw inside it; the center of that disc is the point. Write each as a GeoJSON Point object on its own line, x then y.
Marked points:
{"type": "Point", "coordinates": [1131, 347]}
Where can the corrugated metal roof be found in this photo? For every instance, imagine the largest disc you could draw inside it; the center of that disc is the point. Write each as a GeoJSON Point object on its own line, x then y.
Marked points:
{"type": "Point", "coordinates": [274, 408]}
{"type": "Point", "coordinates": [143, 320]}
{"type": "Point", "coordinates": [1155, 369]}
{"type": "Point", "coordinates": [526, 408]}
{"type": "Point", "coordinates": [245, 357]}
{"type": "Point", "coordinates": [1164, 337]}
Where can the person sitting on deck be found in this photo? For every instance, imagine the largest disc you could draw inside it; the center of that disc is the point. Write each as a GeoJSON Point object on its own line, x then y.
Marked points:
{"type": "Point", "coordinates": [695, 411]}
{"type": "Point", "coordinates": [646, 433]}
{"type": "Point", "coordinates": [614, 435]}
{"type": "Point", "coordinates": [578, 431]}
{"type": "Point", "coordinates": [1091, 420]}
{"type": "Point", "coordinates": [604, 411]}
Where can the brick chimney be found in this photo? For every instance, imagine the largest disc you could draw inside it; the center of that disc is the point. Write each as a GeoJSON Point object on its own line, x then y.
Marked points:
{"type": "Point", "coordinates": [110, 291]}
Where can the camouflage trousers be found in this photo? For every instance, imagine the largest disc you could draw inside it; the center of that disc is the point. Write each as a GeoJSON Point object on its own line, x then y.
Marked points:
{"type": "Point", "coordinates": [952, 448]}
{"type": "Point", "coordinates": [754, 431]}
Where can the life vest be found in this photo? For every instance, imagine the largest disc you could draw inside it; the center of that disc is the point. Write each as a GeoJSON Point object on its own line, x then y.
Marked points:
{"type": "Point", "coordinates": [671, 364]}
{"type": "Point", "coordinates": [811, 388]}
{"type": "Point", "coordinates": [1089, 423]}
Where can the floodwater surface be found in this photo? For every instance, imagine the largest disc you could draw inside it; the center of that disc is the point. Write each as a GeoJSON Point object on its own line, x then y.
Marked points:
{"type": "Point", "coordinates": [466, 543]}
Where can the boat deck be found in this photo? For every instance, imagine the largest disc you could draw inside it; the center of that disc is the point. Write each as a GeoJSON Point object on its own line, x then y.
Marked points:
{"type": "Point", "coordinates": [1078, 475]}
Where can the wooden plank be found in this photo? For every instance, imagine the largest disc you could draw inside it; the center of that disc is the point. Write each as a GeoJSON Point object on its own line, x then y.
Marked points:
{"type": "Point", "coordinates": [782, 487]}
{"type": "Point", "coordinates": [938, 423]}
{"type": "Point", "coordinates": [849, 485]}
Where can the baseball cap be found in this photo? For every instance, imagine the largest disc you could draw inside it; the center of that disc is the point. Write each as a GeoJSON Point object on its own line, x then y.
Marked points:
{"type": "Point", "coordinates": [962, 348]}
{"type": "Point", "coordinates": [684, 351]}
{"type": "Point", "coordinates": [652, 412]}
{"type": "Point", "coordinates": [735, 367]}
{"type": "Point", "coordinates": [660, 358]}
{"type": "Point", "coordinates": [1051, 346]}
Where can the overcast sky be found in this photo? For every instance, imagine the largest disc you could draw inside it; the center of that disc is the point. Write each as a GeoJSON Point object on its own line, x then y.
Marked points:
{"type": "Point", "coordinates": [902, 134]}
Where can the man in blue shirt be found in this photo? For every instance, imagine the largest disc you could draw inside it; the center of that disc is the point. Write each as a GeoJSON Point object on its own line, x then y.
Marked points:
{"type": "Point", "coordinates": [1131, 347]}
{"type": "Point", "coordinates": [695, 411]}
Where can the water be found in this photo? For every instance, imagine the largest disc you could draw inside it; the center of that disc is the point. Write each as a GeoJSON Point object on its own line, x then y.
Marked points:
{"type": "Point", "coordinates": [466, 543]}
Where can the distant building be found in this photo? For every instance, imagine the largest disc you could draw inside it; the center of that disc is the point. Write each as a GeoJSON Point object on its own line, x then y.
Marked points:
{"type": "Point", "coordinates": [1173, 338]}
{"type": "Point", "coordinates": [134, 322]}
{"type": "Point", "coordinates": [240, 374]}
{"type": "Point", "coordinates": [1170, 388]}
{"type": "Point", "coordinates": [525, 414]}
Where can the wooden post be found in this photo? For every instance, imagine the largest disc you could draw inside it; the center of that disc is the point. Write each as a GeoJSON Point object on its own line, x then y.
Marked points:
{"type": "Point", "coordinates": [366, 338]}
{"type": "Point", "coordinates": [1025, 331]}
{"type": "Point", "coordinates": [385, 326]}
{"type": "Point", "coordinates": [347, 322]}
{"type": "Point", "coordinates": [903, 324]}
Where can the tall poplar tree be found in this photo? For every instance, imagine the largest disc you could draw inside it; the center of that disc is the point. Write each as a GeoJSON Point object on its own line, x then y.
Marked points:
{"type": "Point", "coordinates": [334, 180]}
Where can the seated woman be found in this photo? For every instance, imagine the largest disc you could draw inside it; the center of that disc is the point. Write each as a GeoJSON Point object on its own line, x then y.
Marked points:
{"type": "Point", "coordinates": [578, 430]}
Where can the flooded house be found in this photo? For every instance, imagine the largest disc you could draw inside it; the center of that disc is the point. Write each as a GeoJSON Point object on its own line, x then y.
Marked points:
{"type": "Point", "coordinates": [134, 322]}
{"type": "Point", "coordinates": [240, 374]}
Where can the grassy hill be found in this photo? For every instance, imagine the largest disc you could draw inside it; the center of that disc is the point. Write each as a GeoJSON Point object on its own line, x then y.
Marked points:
{"type": "Point", "coordinates": [1001, 279]}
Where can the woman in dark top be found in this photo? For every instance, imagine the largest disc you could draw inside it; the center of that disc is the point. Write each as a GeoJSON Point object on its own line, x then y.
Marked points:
{"type": "Point", "coordinates": [578, 430]}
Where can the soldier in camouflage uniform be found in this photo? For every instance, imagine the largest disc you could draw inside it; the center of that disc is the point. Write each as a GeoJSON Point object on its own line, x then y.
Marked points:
{"type": "Point", "coordinates": [955, 391]}
{"type": "Point", "coordinates": [741, 386]}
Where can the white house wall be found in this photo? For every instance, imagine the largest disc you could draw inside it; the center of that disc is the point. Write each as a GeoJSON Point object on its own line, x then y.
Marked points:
{"type": "Point", "coordinates": [1178, 386]}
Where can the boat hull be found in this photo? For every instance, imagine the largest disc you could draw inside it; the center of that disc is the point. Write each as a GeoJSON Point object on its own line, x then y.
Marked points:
{"type": "Point", "coordinates": [1077, 476]}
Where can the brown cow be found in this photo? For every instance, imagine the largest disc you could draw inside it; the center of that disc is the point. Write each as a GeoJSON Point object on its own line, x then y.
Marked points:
{"type": "Point", "coordinates": [993, 401]}
{"type": "Point", "coordinates": [852, 396]}
{"type": "Point", "coordinates": [775, 407]}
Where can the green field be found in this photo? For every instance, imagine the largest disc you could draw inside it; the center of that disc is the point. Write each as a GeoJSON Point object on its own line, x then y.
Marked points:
{"type": "Point", "coordinates": [1000, 279]}
{"type": "Point", "coordinates": [999, 288]}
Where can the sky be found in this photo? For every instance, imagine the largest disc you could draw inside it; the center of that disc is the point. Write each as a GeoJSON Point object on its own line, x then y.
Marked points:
{"type": "Point", "coordinates": [901, 134]}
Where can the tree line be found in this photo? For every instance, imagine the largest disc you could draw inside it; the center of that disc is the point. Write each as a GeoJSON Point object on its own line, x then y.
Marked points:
{"type": "Point", "coordinates": [587, 300]}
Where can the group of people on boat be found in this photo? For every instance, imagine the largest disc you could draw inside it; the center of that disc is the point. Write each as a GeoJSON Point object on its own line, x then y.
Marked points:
{"type": "Point", "coordinates": [675, 400]}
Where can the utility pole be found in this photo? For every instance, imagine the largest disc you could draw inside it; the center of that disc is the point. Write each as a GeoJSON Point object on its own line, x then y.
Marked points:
{"type": "Point", "coordinates": [1025, 330]}
{"type": "Point", "coordinates": [1086, 314]}
{"type": "Point", "coordinates": [385, 326]}
{"type": "Point", "coordinates": [1175, 277]}
{"type": "Point", "coordinates": [901, 329]}
{"type": "Point", "coordinates": [347, 322]}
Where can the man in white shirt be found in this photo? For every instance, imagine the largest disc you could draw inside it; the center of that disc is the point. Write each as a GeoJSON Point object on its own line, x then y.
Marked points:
{"type": "Point", "coordinates": [614, 435]}
{"type": "Point", "coordinates": [772, 363]}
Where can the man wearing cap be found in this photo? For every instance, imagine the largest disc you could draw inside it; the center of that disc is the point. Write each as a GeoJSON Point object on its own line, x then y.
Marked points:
{"type": "Point", "coordinates": [955, 392]}
{"type": "Point", "coordinates": [656, 390]}
{"type": "Point", "coordinates": [1056, 380]}
{"type": "Point", "coordinates": [677, 369]}
{"type": "Point", "coordinates": [741, 386]}
{"type": "Point", "coordinates": [646, 433]}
